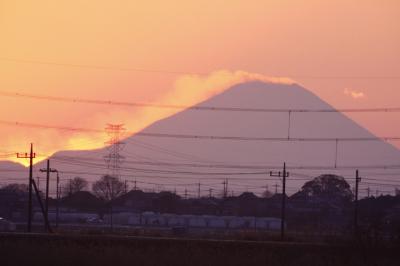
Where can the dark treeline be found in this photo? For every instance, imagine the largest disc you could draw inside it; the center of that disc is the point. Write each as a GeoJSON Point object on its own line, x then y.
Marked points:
{"type": "Point", "coordinates": [324, 204]}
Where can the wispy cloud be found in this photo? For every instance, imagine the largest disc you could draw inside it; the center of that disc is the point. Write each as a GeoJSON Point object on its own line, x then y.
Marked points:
{"type": "Point", "coordinates": [354, 94]}
{"type": "Point", "coordinates": [187, 90]}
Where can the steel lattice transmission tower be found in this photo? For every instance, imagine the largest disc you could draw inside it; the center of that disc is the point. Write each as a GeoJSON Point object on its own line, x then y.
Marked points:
{"type": "Point", "coordinates": [114, 159]}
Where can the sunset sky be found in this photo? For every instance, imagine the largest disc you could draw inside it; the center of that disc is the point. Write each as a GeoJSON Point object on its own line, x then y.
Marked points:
{"type": "Point", "coordinates": [345, 51]}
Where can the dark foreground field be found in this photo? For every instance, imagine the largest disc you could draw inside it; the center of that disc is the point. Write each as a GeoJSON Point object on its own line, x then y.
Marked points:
{"type": "Point", "coordinates": [21, 249]}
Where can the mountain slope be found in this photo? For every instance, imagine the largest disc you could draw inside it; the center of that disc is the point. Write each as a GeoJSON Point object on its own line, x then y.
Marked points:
{"type": "Point", "coordinates": [165, 153]}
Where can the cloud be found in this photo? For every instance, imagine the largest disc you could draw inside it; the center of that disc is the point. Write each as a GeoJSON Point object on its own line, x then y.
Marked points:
{"type": "Point", "coordinates": [354, 94]}
{"type": "Point", "coordinates": [187, 90]}
{"type": "Point", "coordinates": [192, 89]}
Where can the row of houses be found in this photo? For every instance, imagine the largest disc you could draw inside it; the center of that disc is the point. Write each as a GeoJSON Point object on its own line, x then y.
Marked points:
{"type": "Point", "coordinates": [151, 219]}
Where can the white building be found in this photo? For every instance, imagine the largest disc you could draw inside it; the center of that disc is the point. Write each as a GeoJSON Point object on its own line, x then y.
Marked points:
{"type": "Point", "coordinates": [171, 220]}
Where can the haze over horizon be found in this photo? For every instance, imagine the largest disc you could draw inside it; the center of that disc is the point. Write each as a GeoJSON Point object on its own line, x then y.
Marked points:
{"type": "Point", "coordinates": [183, 53]}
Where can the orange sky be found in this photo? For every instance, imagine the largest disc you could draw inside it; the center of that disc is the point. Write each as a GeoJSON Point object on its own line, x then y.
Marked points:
{"type": "Point", "coordinates": [295, 39]}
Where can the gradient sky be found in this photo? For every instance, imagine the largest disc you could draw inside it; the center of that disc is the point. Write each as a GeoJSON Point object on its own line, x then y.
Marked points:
{"type": "Point", "coordinates": [347, 42]}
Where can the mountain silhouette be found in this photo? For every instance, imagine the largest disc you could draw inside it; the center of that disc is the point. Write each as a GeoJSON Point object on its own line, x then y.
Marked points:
{"type": "Point", "coordinates": [172, 162]}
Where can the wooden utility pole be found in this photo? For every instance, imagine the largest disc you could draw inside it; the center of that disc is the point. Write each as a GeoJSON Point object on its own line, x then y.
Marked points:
{"type": "Point", "coordinates": [198, 190]}
{"type": "Point", "coordinates": [266, 190]}
{"type": "Point", "coordinates": [336, 152]}
{"type": "Point", "coordinates": [31, 156]}
{"type": "Point", "coordinates": [46, 206]}
{"type": "Point", "coordinates": [70, 187]}
{"type": "Point", "coordinates": [58, 198]}
{"type": "Point", "coordinates": [49, 170]}
{"type": "Point", "coordinates": [276, 188]}
{"type": "Point", "coordinates": [289, 123]}
{"type": "Point", "coordinates": [225, 191]}
{"type": "Point", "coordinates": [31, 186]}
{"type": "Point", "coordinates": [358, 180]}
{"type": "Point", "coordinates": [284, 174]}
{"type": "Point", "coordinates": [46, 220]}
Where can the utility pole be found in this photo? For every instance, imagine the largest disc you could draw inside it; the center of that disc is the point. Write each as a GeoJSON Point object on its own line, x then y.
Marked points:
{"type": "Point", "coordinates": [58, 198]}
{"type": "Point", "coordinates": [46, 203]}
{"type": "Point", "coordinates": [358, 180]}
{"type": "Point", "coordinates": [47, 189]}
{"type": "Point", "coordinates": [134, 186]}
{"type": "Point", "coordinates": [111, 207]}
{"type": "Point", "coordinates": [289, 123]}
{"type": "Point", "coordinates": [225, 192]}
{"type": "Point", "coordinates": [284, 174]}
{"type": "Point", "coordinates": [111, 217]}
{"type": "Point", "coordinates": [226, 187]}
{"type": "Point", "coordinates": [49, 170]}
{"type": "Point", "coordinates": [46, 221]}
{"type": "Point", "coordinates": [31, 156]}
{"type": "Point", "coordinates": [266, 193]}
{"type": "Point", "coordinates": [198, 190]}
{"type": "Point", "coordinates": [336, 152]}
{"type": "Point", "coordinates": [276, 188]}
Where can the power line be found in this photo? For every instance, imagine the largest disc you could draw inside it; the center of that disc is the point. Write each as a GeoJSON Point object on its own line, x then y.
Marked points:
{"type": "Point", "coordinates": [217, 166]}
{"type": "Point", "coordinates": [196, 108]}
{"type": "Point", "coordinates": [280, 139]}
{"type": "Point", "coordinates": [265, 167]}
{"type": "Point", "coordinates": [215, 186]}
{"type": "Point", "coordinates": [169, 152]}
{"type": "Point", "coordinates": [163, 71]}
{"type": "Point", "coordinates": [98, 67]}
{"type": "Point", "coordinates": [99, 166]}
{"type": "Point", "coordinates": [195, 179]}
{"type": "Point", "coordinates": [202, 137]}
{"type": "Point", "coordinates": [194, 182]}
{"type": "Point", "coordinates": [22, 124]}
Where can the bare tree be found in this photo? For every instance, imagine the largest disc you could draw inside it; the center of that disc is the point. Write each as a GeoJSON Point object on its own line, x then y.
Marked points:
{"type": "Point", "coordinates": [108, 187]}
{"type": "Point", "coordinates": [75, 185]}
